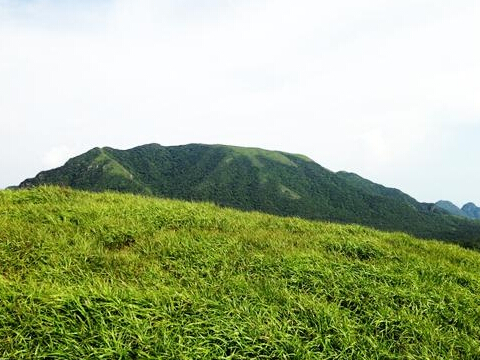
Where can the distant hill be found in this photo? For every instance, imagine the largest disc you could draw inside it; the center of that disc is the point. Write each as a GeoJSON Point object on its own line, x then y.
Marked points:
{"type": "Point", "coordinates": [256, 179]}
{"type": "Point", "coordinates": [470, 210]}
{"type": "Point", "coordinates": [451, 208]}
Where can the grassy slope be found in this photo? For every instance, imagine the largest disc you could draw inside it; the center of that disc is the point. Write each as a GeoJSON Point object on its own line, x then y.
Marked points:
{"type": "Point", "coordinates": [121, 277]}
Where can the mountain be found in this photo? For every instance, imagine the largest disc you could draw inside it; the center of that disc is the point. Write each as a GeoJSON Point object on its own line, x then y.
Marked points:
{"type": "Point", "coordinates": [471, 210]}
{"type": "Point", "coordinates": [256, 179]}
{"type": "Point", "coordinates": [118, 276]}
{"type": "Point", "coordinates": [451, 208]}
{"type": "Point", "coordinates": [380, 190]}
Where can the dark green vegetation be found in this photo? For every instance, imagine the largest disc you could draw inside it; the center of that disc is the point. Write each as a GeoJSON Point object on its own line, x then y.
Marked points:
{"type": "Point", "coordinates": [469, 210]}
{"type": "Point", "coordinates": [254, 179]}
{"type": "Point", "coordinates": [451, 208]}
{"type": "Point", "coordinates": [111, 276]}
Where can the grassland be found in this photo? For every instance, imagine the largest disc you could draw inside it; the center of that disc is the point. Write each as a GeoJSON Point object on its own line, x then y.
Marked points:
{"type": "Point", "coordinates": [110, 276]}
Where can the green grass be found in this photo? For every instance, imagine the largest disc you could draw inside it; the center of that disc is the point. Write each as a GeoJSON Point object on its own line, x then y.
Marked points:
{"type": "Point", "coordinates": [109, 276]}
{"type": "Point", "coordinates": [111, 166]}
{"type": "Point", "coordinates": [255, 155]}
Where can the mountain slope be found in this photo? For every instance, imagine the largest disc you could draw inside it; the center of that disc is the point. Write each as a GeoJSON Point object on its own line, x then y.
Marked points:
{"type": "Point", "coordinates": [117, 276]}
{"type": "Point", "coordinates": [469, 210]}
{"type": "Point", "coordinates": [380, 190]}
{"type": "Point", "coordinates": [451, 208]}
{"type": "Point", "coordinates": [255, 179]}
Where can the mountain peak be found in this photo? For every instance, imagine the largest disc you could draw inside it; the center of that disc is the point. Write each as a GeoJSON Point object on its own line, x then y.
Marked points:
{"type": "Point", "coordinates": [471, 210]}
{"type": "Point", "coordinates": [451, 208]}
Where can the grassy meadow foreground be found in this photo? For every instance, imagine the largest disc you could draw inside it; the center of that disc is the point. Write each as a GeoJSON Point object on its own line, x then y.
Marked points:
{"type": "Point", "coordinates": [90, 276]}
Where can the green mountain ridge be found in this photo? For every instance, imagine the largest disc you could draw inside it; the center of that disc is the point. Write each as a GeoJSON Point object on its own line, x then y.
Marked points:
{"type": "Point", "coordinates": [469, 210]}
{"type": "Point", "coordinates": [451, 208]}
{"type": "Point", "coordinates": [255, 179]}
{"type": "Point", "coordinates": [377, 189]}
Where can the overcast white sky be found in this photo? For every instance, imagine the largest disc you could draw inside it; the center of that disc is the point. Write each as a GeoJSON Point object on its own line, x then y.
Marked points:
{"type": "Point", "coordinates": [389, 89]}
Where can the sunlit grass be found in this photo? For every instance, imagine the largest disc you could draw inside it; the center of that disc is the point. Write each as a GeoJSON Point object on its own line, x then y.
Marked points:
{"type": "Point", "coordinates": [89, 276]}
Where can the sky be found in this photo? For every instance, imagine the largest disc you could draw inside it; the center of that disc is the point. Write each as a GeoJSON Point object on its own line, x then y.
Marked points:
{"type": "Point", "coordinates": [388, 89]}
